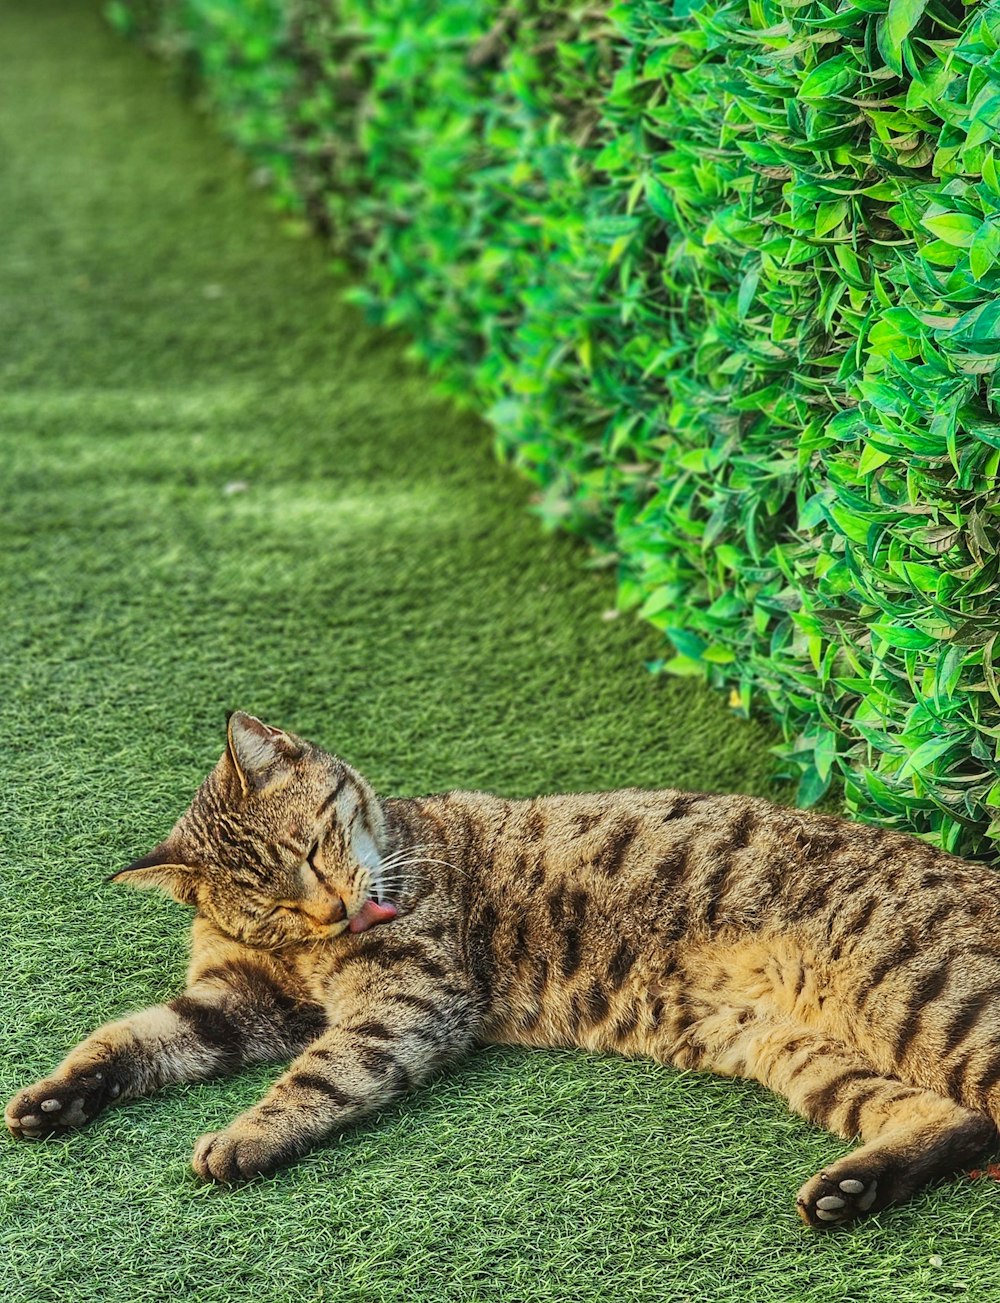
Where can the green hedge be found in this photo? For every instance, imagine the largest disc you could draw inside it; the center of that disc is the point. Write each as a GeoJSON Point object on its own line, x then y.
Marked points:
{"type": "Point", "coordinates": [724, 279]}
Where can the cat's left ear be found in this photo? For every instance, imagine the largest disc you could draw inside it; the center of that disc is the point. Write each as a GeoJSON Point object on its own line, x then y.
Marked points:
{"type": "Point", "coordinates": [164, 869]}
{"type": "Point", "coordinates": [260, 754]}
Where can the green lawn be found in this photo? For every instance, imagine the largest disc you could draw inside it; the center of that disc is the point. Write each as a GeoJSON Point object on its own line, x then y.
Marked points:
{"type": "Point", "coordinates": [377, 584]}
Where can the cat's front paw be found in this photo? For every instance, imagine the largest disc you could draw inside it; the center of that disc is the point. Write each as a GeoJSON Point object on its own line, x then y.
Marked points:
{"type": "Point", "coordinates": [239, 1154]}
{"type": "Point", "coordinates": [60, 1103]}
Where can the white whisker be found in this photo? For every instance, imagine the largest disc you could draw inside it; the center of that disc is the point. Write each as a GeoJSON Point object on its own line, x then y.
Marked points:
{"type": "Point", "coordinates": [392, 874]}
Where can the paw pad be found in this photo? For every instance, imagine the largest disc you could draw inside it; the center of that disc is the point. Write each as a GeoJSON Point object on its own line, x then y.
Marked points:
{"type": "Point", "coordinates": [827, 1200]}
{"type": "Point", "coordinates": [59, 1104]}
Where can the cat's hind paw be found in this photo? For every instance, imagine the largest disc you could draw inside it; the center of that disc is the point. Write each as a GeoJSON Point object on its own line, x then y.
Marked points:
{"type": "Point", "coordinates": [839, 1196]}
{"type": "Point", "coordinates": [60, 1104]}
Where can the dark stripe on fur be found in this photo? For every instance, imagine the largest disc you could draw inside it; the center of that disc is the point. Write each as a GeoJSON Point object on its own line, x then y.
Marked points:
{"type": "Point", "coordinates": [301, 1021]}
{"type": "Point", "coordinates": [955, 1078]}
{"type": "Point", "coordinates": [990, 1077]}
{"type": "Point", "coordinates": [534, 824]}
{"type": "Point", "coordinates": [739, 832]}
{"type": "Point", "coordinates": [583, 823]}
{"type": "Point", "coordinates": [715, 888]}
{"type": "Point", "coordinates": [621, 965]}
{"type": "Point", "coordinates": [672, 867]}
{"type": "Point", "coordinates": [418, 1002]}
{"type": "Point", "coordinates": [684, 803]}
{"type": "Point", "coordinates": [852, 1118]}
{"type": "Point", "coordinates": [967, 1018]}
{"type": "Point", "coordinates": [612, 855]}
{"type": "Point", "coordinates": [927, 991]}
{"type": "Point", "coordinates": [822, 1101]}
{"type": "Point", "coordinates": [383, 1063]}
{"type": "Point", "coordinates": [373, 1030]}
{"type": "Point", "coordinates": [396, 957]}
{"type": "Point", "coordinates": [312, 1081]}
{"type": "Point", "coordinates": [799, 1068]}
{"type": "Point", "coordinates": [590, 1007]}
{"type": "Point", "coordinates": [210, 1025]}
{"type": "Point", "coordinates": [481, 954]}
{"type": "Point", "coordinates": [331, 800]}
{"type": "Point", "coordinates": [904, 952]}
{"type": "Point", "coordinates": [575, 912]}
{"type": "Point", "coordinates": [626, 1024]}
{"type": "Point", "coordinates": [857, 922]}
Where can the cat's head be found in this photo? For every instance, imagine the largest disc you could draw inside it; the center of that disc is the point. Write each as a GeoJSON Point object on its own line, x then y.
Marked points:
{"type": "Point", "coordinates": [282, 843]}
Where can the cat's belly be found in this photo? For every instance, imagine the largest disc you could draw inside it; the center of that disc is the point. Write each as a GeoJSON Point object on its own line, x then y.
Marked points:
{"type": "Point", "coordinates": [679, 1005]}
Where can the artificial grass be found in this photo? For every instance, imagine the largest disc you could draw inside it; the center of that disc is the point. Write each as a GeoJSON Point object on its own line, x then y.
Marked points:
{"type": "Point", "coordinates": [377, 585]}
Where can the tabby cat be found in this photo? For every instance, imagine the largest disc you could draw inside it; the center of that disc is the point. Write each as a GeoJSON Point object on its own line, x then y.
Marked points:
{"type": "Point", "coordinates": [853, 970]}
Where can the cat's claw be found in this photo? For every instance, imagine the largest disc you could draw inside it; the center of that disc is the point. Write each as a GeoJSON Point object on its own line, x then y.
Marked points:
{"type": "Point", "coordinates": [59, 1104]}
{"type": "Point", "coordinates": [836, 1198]}
{"type": "Point", "coordinates": [230, 1158]}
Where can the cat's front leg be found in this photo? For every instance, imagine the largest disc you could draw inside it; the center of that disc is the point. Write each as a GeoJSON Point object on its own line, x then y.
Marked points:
{"type": "Point", "coordinates": [376, 1053]}
{"type": "Point", "coordinates": [227, 1018]}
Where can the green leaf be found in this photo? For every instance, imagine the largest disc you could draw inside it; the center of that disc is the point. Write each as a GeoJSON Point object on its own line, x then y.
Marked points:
{"type": "Point", "coordinates": [925, 754]}
{"type": "Point", "coordinates": [812, 788]}
{"type": "Point", "coordinates": [984, 251]}
{"type": "Point", "coordinates": [748, 288]}
{"type": "Point", "coordinates": [687, 643]}
{"type": "Point", "coordinates": [957, 229]}
{"type": "Point", "coordinates": [990, 171]}
{"type": "Point", "coordinates": [699, 460]}
{"type": "Point", "coordinates": [834, 76]}
{"type": "Point", "coordinates": [872, 458]}
{"type": "Point", "coordinates": [850, 525]}
{"type": "Point", "coordinates": [901, 18]}
{"type": "Point", "coordinates": [902, 637]}
{"type": "Point", "coordinates": [684, 667]}
{"type": "Point", "coordinates": [824, 754]}
{"type": "Point", "coordinates": [980, 326]}
{"type": "Point", "coordinates": [717, 654]}
{"type": "Point", "coordinates": [660, 599]}
{"type": "Point", "coordinates": [830, 216]}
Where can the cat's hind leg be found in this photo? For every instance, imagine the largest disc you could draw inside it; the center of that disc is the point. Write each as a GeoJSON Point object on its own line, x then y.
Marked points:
{"type": "Point", "coordinates": [911, 1136]}
{"type": "Point", "coordinates": [920, 1137]}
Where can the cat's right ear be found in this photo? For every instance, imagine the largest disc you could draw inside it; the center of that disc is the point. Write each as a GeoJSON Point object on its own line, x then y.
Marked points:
{"type": "Point", "coordinates": [161, 869]}
{"type": "Point", "coordinates": [260, 756]}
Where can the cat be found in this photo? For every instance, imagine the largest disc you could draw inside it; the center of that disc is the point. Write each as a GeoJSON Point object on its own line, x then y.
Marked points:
{"type": "Point", "coordinates": [855, 971]}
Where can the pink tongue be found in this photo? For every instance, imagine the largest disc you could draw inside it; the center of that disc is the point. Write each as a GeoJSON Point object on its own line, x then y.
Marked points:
{"type": "Point", "coordinates": [370, 913]}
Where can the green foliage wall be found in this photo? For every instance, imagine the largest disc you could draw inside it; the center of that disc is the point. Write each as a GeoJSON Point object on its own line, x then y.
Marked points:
{"type": "Point", "coordinates": [724, 279]}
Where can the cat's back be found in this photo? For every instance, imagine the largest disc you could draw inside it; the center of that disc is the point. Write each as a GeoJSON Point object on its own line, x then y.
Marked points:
{"type": "Point", "coordinates": [693, 863]}
{"type": "Point", "coordinates": [613, 919]}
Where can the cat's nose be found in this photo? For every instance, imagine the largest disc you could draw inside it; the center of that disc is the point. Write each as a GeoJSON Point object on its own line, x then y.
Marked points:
{"type": "Point", "coordinates": [327, 911]}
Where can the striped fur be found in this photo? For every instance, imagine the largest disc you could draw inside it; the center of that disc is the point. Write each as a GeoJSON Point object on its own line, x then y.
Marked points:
{"type": "Point", "coordinates": [854, 971]}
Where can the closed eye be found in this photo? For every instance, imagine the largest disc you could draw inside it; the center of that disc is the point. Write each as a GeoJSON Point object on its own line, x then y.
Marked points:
{"type": "Point", "coordinates": [311, 861]}
{"type": "Point", "coordinates": [284, 907]}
